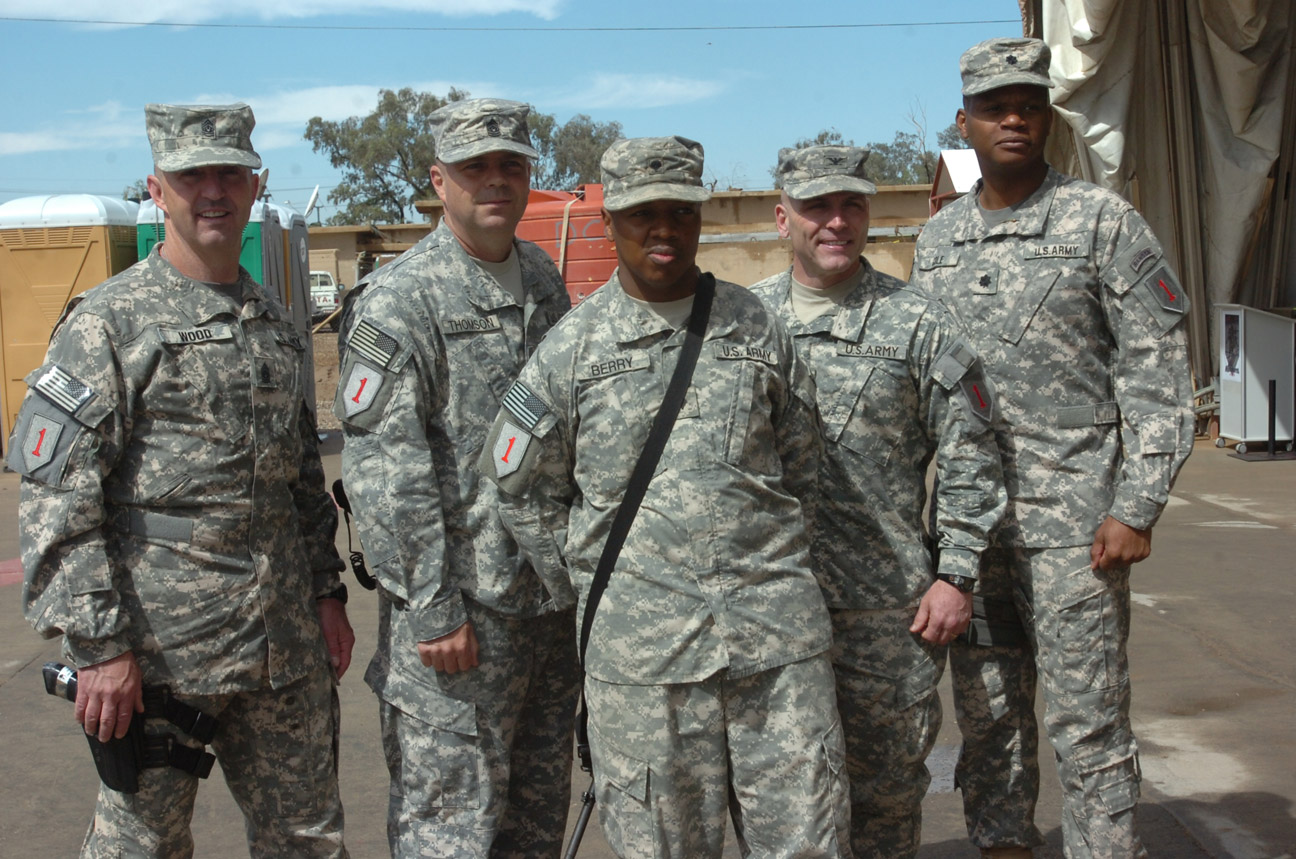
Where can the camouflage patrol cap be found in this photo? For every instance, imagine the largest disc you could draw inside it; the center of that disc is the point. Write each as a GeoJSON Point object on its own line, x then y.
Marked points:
{"type": "Point", "coordinates": [817, 170]}
{"type": "Point", "coordinates": [200, 135]}
{"type": "Point", "coordinates": [467, 129]}
{"type": "Point", "coordinates": [998, 63]}
{"type": "Point", "coordinates": [641, 169]}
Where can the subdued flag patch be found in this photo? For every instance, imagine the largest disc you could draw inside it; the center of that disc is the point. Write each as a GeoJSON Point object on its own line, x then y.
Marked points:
{"type": "Point", "coordinates": [63, 389]}
{"type": "Point", "coordinates": [524, 405]}
{"type": "Point", "coordinates": [510, 447]}
{"type": "Point", "coordinates": [362, 385]}
{"type": "Point", "coordinates": [370, 341]}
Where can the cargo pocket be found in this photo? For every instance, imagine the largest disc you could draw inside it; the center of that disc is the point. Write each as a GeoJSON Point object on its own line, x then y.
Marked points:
{"type": "Point", "coordinates": [1085, 632]}
{"type": "Point", "coordinates": [624, 807]}
{"type": "Point", "coordinates": [440, 767]}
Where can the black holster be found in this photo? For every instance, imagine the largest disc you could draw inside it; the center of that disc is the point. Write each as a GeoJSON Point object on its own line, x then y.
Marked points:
{"type": "Point", "coordinates": [994, 624]}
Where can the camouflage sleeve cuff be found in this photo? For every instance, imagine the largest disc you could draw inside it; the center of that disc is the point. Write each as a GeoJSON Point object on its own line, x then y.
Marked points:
{"type": "Point", "coordinates": [438, 619]}
{"type": "Point", "coordinates": [326, 581]}
{"type": "Point", "coordinates": [959, 562]}
{"type": "Point", "coordinates": [91, 651]}
{"type": "Point", "coordinates": [1137, 512]}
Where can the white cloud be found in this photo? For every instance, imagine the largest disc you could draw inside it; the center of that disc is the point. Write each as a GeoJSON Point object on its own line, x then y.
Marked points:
{"type": "Point", "coordinates": [203, 11]}
{"type": "Point", "coordinates": [281, 117]}
{"type": "Point", "coordinates": [628, 92]}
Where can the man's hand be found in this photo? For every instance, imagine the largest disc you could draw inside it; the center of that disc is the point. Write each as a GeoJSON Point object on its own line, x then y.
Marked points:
{"type": "Point", "coordinates": [944, 612]}
{"type": "Point", "coordinates": [108, 694]}
{"type": "Point", "coordinates": [1118, 545]}
{"type": "Point", "coordinates": [450, 653]}
{"type": "Point", "coordinates": [338, 634]}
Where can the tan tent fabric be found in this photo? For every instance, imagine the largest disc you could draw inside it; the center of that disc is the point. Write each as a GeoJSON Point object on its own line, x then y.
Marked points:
{"type": "Point", "coordinates": [1185, 107]}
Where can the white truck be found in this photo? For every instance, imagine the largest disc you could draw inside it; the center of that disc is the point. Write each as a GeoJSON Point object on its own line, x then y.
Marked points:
{"type": "Point", "coordinates": [325, 296]}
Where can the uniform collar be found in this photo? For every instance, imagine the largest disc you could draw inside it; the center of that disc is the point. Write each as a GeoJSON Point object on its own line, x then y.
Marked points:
{"type": "Point", "coordinates": [630, 322]}
{"type": "Point", "coordinates": [847, 323]}
{"type": "Point", "coordinates": [202, 303]}
{"type": "Point", "coordinates": [1032, 213]}
{"type": "Point", "coordinates": [480, 288]}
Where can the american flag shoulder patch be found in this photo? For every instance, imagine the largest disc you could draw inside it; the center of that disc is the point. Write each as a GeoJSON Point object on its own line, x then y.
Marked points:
{"type": "Point", "coordinates": [524, 405]}
{"type": "Point", "coordinates": [63, 389]}
{"type": "Point", "coordinates": [373, 343]}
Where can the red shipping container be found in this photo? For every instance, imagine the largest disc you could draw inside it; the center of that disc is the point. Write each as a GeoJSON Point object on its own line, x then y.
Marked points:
{"type": "Point", "coordinates": [570, 229]}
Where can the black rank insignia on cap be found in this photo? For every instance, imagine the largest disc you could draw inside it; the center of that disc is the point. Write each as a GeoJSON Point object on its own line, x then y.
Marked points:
{"type": "Point", "coordinates": [209, 127]}
{"type": "Point", "coordinates": [492, 128]}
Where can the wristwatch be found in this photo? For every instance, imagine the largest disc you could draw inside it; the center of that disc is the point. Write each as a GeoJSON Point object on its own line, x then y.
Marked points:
{"type": "Point", "coordinates": [965, 584]}
{"type": "Point", "coordinates": [340, 594]}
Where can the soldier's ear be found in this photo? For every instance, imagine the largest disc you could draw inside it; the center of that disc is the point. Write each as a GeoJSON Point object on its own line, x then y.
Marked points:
{"type": "Point", "coordinates": [607, 226]}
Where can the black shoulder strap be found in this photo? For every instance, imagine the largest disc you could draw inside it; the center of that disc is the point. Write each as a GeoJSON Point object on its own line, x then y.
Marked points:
{"type": "Point", "coordinates": [652, 451]}
{"type": "Point", "coordinates": [624, 518]}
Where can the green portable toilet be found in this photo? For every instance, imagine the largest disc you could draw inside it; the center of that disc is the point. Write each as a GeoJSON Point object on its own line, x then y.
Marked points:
{"type": "Point", "coordinates": [265, 268]}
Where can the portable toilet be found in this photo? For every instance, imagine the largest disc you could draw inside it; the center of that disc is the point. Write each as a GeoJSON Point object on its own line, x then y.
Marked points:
{"type": "Point", "coordinates": [294, 287]}
{"type": "Point", "coordinates": [52, 247]}
{"type": "Point", "coordinates": [569, 227]}
{"type": "Point", "coordinates": [265, 268]}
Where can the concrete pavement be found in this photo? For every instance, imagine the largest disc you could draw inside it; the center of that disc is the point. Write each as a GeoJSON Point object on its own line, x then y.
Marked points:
{"type": "Point", "coordinates": [1211, 653]}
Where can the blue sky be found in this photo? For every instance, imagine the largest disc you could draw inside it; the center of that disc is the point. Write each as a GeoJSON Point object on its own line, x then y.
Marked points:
{"type": "Point", "coordinates": [75, 92]}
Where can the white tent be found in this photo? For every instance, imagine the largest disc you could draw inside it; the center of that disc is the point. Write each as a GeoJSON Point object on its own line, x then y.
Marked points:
{"type": "Point", "coordinates": [1188, 109]}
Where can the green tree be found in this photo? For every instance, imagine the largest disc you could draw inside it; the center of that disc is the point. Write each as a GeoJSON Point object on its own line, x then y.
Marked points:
{"type": "Point", "coordinates": [569, 153]}
{"type": "Point", "coordinates": [826, 137]}
{"type": "Point", "coordinates": [950, 138]}
{"type": "Point", "coordinates": [903, 161]}
{"type": "Point", "coordinates": [137, 191]}
{"type": "Point", "coordinates": [384, 156]}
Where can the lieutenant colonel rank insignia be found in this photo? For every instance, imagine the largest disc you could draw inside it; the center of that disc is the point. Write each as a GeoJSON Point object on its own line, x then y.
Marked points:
{"type": "Point", "coordinates": [362, 385]}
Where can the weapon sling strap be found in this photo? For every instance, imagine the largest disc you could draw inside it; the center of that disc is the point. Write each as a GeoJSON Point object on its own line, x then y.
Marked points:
{"type": "Point", "coordinates": [639, 480]}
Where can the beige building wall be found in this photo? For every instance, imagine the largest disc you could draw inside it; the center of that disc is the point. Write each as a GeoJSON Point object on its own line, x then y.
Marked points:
{"type": "Point", "coordinates": [739, 240]}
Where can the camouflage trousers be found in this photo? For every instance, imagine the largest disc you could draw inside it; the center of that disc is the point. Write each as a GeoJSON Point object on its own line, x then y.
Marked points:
{"type": "Point", "coordinates": [1077, 624]}
{"type": "Point", "coordinates": [277, 749]}
{"type": "Point", "coordinates": [671, 762]}
{"type": "Point", "coordinates": [483, 769]}
{"type": "Point", "coordinates": [891, 713]}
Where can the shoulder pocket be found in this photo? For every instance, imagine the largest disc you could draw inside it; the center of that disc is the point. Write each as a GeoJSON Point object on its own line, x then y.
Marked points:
{"type": "Point", "coordinates": [58, 411]}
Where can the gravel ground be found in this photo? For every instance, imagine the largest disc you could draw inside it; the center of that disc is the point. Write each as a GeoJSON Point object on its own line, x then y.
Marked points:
{"type": "Point", "coordinates": [326, 379]}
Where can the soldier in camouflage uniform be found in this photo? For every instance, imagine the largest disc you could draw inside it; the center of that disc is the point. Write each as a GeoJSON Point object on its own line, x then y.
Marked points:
{"type": "Point", "coordinates": [897, 384]}
{"type": "Point", "coordinates": [1073, 307]}
{"type": "Point", "coordinates": [175, 527]}
{"type": "Point", "coordinates": [707, 676]}
{"type": "Point", "coordinates": [476, 666]}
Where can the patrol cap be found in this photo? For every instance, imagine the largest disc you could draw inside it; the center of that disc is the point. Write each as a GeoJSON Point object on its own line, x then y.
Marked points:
{"type": "Point", "coordinates": [817, 170]}
{"type": "Point", "coordinates": [200, 135]}
{"type": "Point", "coordinates": [641, 169]}
{"type": "Point", "coordinates": [998, 63]}
{"type": "Point", "coordinates": [466, 129]}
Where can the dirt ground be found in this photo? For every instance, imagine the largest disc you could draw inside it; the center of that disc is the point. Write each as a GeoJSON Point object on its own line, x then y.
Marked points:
{"type": "Point", "coordinates": [326, 379]}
